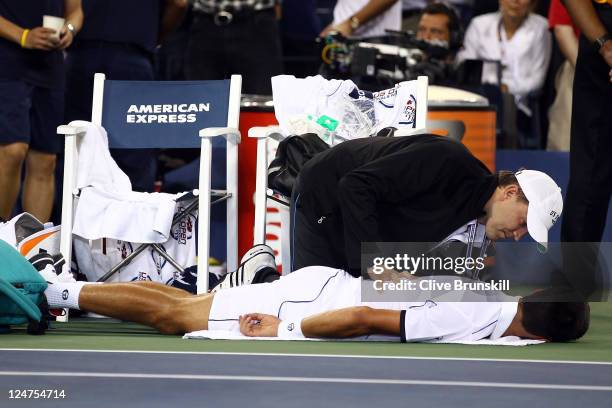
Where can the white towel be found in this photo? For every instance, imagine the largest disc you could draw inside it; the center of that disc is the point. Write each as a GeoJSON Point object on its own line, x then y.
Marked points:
{"type": "Point", "coordinates": [129, 216]}
{"type": "Point", "coordinates": [228, 335]}
{"type": "Point", "coordinates": [107, 207]}
{"type": "Point", "coordinates": [96, 167]}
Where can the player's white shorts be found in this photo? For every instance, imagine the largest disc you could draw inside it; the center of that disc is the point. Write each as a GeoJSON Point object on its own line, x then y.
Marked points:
{"type": "Point", "coordinates": [305, 292]}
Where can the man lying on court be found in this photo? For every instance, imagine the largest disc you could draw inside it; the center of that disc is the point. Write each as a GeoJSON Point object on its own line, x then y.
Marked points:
{"type": "Point", "coordinates": [322, 302]}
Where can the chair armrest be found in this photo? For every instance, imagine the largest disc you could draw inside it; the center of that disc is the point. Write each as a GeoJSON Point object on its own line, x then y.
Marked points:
{"type": "Point", "coordinates": [261, 132]}
{"type": "Point", "coordinates": [68, 130]}
{"type": "Point", "coordinates": [231, 134]}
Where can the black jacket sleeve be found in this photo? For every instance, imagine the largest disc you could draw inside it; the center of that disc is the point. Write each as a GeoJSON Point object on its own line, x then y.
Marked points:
{"type": "Point", "coordinates": [396, 179]}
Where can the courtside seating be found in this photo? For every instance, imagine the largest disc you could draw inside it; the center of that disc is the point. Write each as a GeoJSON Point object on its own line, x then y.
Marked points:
{"type": "Point", "coordinates": [217, 114]}
{"type": "Point", "coordinates": [262, 193]}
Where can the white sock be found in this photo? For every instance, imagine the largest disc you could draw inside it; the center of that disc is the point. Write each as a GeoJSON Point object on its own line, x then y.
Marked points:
{"type": "Point", "coordinates": [64, 294]}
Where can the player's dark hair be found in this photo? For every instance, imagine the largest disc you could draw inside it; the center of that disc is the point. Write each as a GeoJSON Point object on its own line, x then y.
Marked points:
{"type": "Point", "coordinates": [558, 321]}
{"type": "Point", "coordinates": [506, 178]}
{"type": "Point", "coordinates": [455, 29]}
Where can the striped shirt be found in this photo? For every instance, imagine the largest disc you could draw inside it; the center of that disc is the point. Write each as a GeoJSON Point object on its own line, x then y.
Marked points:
{"type": "Point", "coordinates": [213, 6]}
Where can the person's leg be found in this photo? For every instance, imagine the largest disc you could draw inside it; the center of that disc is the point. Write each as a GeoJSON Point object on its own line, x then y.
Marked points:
{"type": "Point", "coordinates": [153, 304]}
{"type": "Point", "coordinates": [166, 289]}
{"type": "Point", "coordinates": [254, 50]}
{"type": "Point", "coordinates": [12, 157]}
{"type": "Point", "coordinates": [204, 58]}
{"type": "Point", "coordinates": [590, 183]}
{"type": "Point", "coordinates": [15, 104]}
{"type": "Point", "coordinates": [39, 184]}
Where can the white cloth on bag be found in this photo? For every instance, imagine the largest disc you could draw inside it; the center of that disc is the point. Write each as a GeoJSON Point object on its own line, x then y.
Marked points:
{"type": "Point", "coordinates": [108, 208]}
{"type": "Point", "coordinates": [316, 96]}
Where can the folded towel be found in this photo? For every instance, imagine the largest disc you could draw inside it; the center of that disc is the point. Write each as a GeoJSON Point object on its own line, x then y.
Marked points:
{"type": "Point", "coordinates": [228, 335]}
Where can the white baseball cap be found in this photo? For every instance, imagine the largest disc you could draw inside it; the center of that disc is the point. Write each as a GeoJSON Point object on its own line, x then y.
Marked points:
{"type": "Point", "coordinates": [545, 203]}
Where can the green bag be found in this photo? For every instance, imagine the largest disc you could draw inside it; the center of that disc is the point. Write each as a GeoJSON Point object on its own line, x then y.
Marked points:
{"type": "Point", "coordinates": [21, 291]}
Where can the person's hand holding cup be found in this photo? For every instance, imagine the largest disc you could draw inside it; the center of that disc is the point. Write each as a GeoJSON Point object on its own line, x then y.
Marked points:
{"type": "Point", "coordinates": [45, 38]}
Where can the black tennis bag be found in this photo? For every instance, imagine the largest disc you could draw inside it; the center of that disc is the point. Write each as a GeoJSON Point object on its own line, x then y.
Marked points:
{"type": "Point", "coordinates": [291, 156]}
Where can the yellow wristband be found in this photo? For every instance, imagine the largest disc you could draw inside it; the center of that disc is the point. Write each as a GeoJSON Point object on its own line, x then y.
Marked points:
{"type": "Point", "coordinates": [24, 36]}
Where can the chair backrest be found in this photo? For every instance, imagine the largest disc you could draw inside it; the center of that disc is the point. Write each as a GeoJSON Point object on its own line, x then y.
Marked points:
{"type": "Point", "coordinates": [169, 114]}
{"type": "Point", "coordinates": [161, 114]}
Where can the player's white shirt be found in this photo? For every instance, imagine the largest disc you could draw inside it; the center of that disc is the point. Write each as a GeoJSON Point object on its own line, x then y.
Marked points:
{"type": "Point", "coordinates": [317, 289]}
{"type": "Point", "coordinates": [391, 19]}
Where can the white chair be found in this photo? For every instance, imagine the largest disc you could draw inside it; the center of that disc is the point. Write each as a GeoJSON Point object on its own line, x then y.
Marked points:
{"type": "Point", "coordinates": [262, 193]}
{"type": "Point", "coordinates": [185, 114]}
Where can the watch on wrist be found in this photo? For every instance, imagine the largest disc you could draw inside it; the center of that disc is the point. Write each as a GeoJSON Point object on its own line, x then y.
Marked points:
{"type": "Point", "coordinates": [598, 43]}
{"type": "Point", "coordinates": [354, 22]}
{"type": "Point", "coordinates": [71, 28]}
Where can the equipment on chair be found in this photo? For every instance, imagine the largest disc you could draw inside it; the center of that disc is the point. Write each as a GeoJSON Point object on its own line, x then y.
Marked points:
{"type": "Point", "coordinates": [291, 156]}
{"type": "Point", "coordinates": [21, 292]}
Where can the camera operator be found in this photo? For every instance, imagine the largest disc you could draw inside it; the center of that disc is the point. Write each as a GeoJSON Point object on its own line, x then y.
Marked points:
{"type": "Point", "coordinates": [439, 36]}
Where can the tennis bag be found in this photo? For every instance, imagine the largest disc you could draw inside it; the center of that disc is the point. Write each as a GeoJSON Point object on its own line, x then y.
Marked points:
{"type": "Point", "coordinates": [21, 292]}
{"type": "Point", "coordinates": [291, 156]}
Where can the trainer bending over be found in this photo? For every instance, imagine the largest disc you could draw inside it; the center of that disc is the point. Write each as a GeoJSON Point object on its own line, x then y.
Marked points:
{"type": "Point", "coordinates": [321, 302]}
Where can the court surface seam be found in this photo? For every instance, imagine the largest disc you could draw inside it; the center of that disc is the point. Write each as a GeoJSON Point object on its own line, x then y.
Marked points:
{"type": "Point", "coordinates": [372, 381]}
{"type": "Point", "coordinates": [348, 356]}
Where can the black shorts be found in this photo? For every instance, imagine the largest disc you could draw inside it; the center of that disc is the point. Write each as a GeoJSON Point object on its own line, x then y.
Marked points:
{"type": "Point", "coordinates": [30, 114]}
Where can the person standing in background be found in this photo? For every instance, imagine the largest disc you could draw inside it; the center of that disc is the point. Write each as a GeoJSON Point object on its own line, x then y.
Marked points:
{"type": "Point", "coordinates": [590, 181]}
{"type": "Point", "coordinates": [520, 41]}
{"type": "Point", "coordinates": [560, 112]}
{"type": "Point", "coordinates": [119, 39]}
{"type": "Point", "coordinates": [235, 37]}
{"type": "Point", "coordinates": [32, 99]}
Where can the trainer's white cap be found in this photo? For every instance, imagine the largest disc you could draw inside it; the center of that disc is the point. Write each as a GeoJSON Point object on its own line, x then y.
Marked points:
{"type": "Point", "coordinates": [545, 203]}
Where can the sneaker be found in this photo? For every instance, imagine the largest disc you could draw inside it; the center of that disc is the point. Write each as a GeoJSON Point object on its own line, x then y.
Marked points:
{"type": "Point", "coordinates": [48, 265]}
{"type": "Point", "coordinates": [259, 257]}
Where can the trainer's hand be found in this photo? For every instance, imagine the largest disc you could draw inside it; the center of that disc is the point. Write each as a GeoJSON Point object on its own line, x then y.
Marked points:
{"type": "Point", "coordinates": [41, 38]}
{"type": "Point", "coordinates": [259, 325]}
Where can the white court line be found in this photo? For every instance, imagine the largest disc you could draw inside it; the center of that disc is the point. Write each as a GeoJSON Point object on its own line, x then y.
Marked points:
{"type": "Point", "coordinates": [221, 353]}
{"type": "Point", "coordinates": [373, 381]}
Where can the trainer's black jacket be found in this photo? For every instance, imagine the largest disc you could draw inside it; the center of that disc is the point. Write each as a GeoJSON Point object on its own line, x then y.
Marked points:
{"type": "Point", "coordinates": [394, 189]}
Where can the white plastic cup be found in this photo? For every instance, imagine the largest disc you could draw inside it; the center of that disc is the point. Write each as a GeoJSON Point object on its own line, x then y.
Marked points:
{"type": "Point", "coordinates": [54, 23]}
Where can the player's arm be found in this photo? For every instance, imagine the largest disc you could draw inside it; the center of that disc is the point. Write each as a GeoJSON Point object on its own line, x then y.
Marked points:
{"type": "Point", "coordinates": [336, 324]}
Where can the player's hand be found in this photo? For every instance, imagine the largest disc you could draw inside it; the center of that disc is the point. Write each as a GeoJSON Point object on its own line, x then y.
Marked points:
{"type": "Point", "coordinates": [66, 38]}
{"type": "Point", "coordinates": [41, 38]}
{"type": "Point", "coordinates": [259, 325]}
